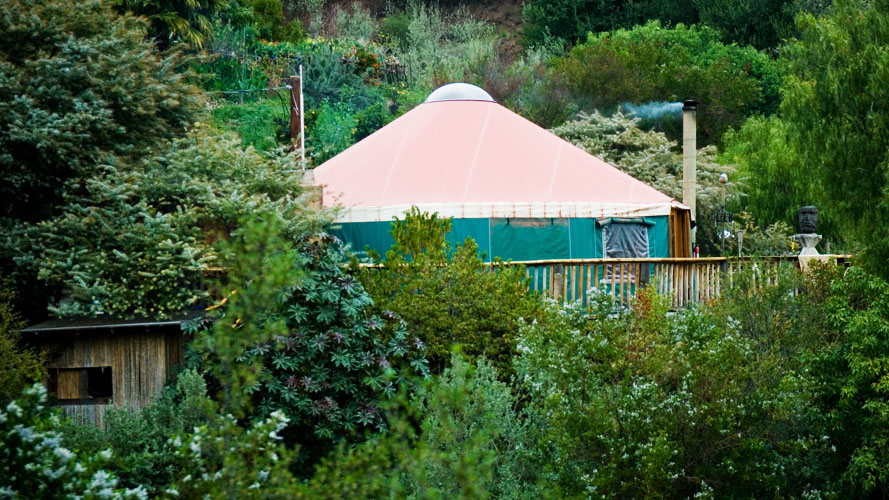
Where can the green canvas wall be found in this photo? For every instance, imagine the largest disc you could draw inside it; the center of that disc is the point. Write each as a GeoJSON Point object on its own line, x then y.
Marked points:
{"type": "Point", "coordinates": [515, 239]}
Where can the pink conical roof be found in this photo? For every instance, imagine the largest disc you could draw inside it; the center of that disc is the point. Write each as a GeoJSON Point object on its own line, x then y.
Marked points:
{"type": "Point", "coordinates": [475, 158]}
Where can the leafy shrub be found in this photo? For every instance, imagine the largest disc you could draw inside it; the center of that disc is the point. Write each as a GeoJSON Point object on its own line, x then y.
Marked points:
{"type": "Point", "coordinates": [642, 403]}
{"type": "Point", "coordinates": [263, 124]}
{"type": "Point", "coordinates": [270, 24]}
{"type": "Point", "coordinates": [441, 49]}
{"type": "Point", "coordinates": [19, 366]}
{"type": "Point", "coordinates": [460, 436]}
{"type": "Point", "coordinates": [334, 131]}
{"type": "Point", "coordinates": [450, 297]}
{"type": "Point", "coordinates": [394, 29]}
{"type": "Point", "coordinates": [338, 361]}
{"type": "Point", "coordinates": [224, 460]}
{"type": "Point", "coordinates": [356, 24]}
{"type": "Point", "coordinates": [305, 341]}
{"type": "Point", "coordinates": [470, 421]}
{"type": "Point", "coordinates": [33, 463]}
{"type": "Point", "coordinates": [140, 440]}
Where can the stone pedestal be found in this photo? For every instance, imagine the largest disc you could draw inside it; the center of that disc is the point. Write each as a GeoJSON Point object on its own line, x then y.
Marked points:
{"type": "Point", "coordinates": [809, 252]}
{"type": "Point", "coordinates": [808, 242]}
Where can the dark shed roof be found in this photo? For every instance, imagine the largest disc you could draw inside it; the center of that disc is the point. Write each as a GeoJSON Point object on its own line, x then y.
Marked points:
{"type": "Point", "coordinates": [104, 323]}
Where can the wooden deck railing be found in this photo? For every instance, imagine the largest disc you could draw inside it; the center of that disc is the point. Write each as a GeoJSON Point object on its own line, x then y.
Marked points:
{"type": "Point", "coordinates": [685, 280]}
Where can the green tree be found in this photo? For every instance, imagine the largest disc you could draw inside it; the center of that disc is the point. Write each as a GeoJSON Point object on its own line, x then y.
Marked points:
{"type": "Point", "coordinates": [137, 239]}
{"type": "Point", "coordinates": [759, 23]}
{"type": "Point", "coordinates": [78, 85]}
{"type": "Point", "coordinates": [654, 63]}
{"type": "Point", "coordinates": [775, 183]}
{"type": "Point", "coordinates": [450, 296]}
{"type": "Point", "coordinates": [269, 22]}
{"type": "Point", "coordinates": [459, 436]}
{"type": "Point", "coordinates": [838, 79]}
{"type": "Point", "coordinates": [571, 20]}
{"type": "Point", "coordinates": [852, 373]}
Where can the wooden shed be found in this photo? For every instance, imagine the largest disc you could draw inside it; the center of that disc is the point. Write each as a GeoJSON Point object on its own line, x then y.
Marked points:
{"type": "Point", "coordinates": [99, 363]}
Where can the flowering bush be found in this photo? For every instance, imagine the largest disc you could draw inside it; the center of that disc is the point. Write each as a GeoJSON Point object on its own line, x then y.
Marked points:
{"type": "Point", "coordinates": [34, 464]}
{"type": "Point", "coordinates": [225, 460]}
{"type": "Point", "coordinates": [646, 403]}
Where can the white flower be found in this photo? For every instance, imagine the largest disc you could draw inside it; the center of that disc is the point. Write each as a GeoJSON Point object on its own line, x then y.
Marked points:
{"type": "Point", "coordinates": [26, 433]}
{"type": "Point", "coordinates": [64, 454]}
{"type": "Point", "coordinates": [102, 479]}
{"type": "Point", "coordinates": [138, 492]}
{"type": "Point", "coordinates": [105, 454]}
{"type": "Point", "coordinates": [14, 409]}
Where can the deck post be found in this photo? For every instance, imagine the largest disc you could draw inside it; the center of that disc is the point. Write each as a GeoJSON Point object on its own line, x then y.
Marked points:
{"type": "Point", "coordinates": [558, 282]}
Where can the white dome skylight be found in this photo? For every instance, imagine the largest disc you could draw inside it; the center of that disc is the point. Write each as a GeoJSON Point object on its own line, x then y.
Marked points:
{"type": "Point", "coordinates": [459, 92]}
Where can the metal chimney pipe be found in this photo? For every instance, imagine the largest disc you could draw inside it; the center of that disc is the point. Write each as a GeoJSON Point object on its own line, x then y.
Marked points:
{"type": "Point", "coordinates": [689, 161]}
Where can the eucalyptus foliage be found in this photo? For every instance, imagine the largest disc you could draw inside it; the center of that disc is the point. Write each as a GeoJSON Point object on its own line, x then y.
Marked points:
{"type": "Point", "coordinates": [838, 75]}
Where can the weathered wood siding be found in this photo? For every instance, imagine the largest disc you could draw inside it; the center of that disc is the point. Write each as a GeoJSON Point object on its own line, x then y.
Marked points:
{"type": "Point", "coordinates": [142, 361]}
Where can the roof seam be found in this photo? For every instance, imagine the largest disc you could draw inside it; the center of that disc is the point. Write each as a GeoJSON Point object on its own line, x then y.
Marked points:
{"type": "Point", "coordinates": [478, 148]}
{"type": "Point", "coordinates": [552, 180]}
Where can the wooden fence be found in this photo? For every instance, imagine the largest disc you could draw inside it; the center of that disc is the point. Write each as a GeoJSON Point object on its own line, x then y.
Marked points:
{"type": "Point", "coordinates": [685, 280]}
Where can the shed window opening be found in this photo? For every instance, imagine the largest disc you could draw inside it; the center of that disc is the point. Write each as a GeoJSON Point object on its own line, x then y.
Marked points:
{"type": "Point", "coordinates": [91, 385]}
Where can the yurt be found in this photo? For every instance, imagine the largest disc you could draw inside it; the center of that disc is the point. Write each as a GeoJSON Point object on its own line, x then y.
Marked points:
{"type": "Point", "coordinates": [519, 191]}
